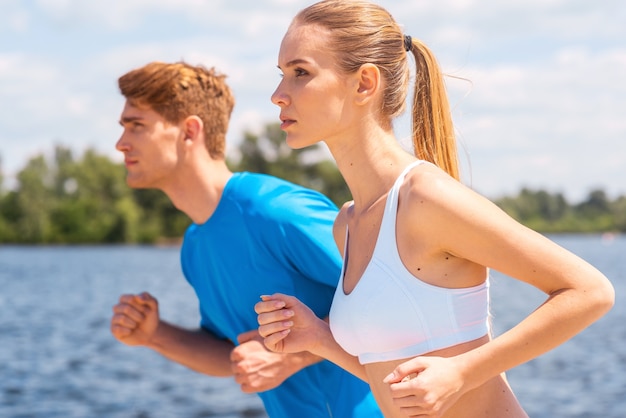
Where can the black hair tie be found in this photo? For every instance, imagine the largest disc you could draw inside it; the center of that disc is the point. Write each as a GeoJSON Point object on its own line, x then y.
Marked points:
{"type": "Point", "coordinates": [408, 43]}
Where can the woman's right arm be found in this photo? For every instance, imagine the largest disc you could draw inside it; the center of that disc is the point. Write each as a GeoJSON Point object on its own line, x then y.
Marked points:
{"type": "Point", "coordinates": [289, 326]}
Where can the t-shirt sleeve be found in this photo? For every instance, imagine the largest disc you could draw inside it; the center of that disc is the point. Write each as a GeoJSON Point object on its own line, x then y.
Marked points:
{"type": "Point", "coordinates": [187, 269]}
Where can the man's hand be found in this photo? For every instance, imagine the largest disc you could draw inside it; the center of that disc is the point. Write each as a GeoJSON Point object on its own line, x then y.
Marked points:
{"type": "Point", "coordinates": [257, 369]}
{"type": "Point", "coordinates": [135, 319]}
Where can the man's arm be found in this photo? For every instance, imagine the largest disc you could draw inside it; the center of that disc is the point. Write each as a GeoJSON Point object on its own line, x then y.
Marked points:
{"type": "Point", "coordinates": [136, 322]}
{"type": "Point", "coordinates": [258, 369]}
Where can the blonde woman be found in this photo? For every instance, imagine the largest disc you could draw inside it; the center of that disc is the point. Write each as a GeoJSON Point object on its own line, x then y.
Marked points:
{"type": "Point", "coordinates": [410, 313]}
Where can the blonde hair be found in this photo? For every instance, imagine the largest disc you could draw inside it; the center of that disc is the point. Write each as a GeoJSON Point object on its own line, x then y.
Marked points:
{"type": "Point", "coordinates": [179, 90]}
{"type": "Point", "coordinates": [363, 32]}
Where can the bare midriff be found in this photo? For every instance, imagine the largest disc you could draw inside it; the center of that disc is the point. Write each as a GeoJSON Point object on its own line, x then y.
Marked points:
{"type": "Point", "coordinates": [492, 399]}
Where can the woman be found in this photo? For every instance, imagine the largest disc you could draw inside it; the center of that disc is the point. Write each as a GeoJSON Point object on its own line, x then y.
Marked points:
{"type": "Point", "coordinates": [410, 314]}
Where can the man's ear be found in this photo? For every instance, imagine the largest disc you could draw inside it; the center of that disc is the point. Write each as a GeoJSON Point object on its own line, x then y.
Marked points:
{"type": "Point", "coordinates": [193, 128]}
{"type": "Point", "coordinates": [369, 83]}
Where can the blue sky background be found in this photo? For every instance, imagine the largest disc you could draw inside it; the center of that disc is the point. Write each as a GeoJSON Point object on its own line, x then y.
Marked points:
{"type": "Point", "coordinates": [543, 104]}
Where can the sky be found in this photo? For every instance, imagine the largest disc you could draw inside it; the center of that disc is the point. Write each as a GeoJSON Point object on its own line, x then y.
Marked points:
{"type": "Point", "coordinates": [537, 87]}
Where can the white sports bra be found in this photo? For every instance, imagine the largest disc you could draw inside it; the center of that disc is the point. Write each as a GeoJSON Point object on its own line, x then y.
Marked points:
{"type": "Point", "coordinates": [392, 315]}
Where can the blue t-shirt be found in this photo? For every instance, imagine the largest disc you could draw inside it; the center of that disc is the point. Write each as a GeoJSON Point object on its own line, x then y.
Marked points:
{"type": "Point", "coordinates": [266, 236]}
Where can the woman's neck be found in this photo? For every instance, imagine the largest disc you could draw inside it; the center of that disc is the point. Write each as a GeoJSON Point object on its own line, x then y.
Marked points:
{"type": "Point", "coordinates": [369, 163]}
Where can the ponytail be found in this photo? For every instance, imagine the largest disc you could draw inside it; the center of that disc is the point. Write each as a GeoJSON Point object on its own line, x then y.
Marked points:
{"type": "Point", "coordinates": [433, 131]}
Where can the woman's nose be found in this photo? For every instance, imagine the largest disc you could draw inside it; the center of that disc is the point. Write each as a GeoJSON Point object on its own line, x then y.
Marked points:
{"type": "Point", "coordinates": [279, 98]}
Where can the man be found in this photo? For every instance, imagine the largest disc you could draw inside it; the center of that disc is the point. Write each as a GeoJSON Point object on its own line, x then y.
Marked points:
{"type": "Point", "coordinates": [251, 235]}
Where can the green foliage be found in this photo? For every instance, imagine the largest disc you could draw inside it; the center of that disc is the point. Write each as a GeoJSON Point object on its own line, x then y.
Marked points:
{"type": "Point", "coordinates": [86, 200]}
{"type": "Point", "coordinates": [1, 178]}
{"type": "Point", "coordinates": [32, 223]}
{"type": "Point", "coordinates": [551, 213]}
{"type": "Point", "coordinates": [68, 201]}
{"type": "Point", "coordinates": [269, 154]}
{"type": "Point", "coordinates": [160, 220]}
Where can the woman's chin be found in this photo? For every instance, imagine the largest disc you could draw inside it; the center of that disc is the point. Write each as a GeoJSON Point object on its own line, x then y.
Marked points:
{"type": "Point", "coordinates": [297, 143]}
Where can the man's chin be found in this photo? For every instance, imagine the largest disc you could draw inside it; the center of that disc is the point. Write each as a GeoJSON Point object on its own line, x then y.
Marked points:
{"type": "Point", "coordinates": [136, 183]}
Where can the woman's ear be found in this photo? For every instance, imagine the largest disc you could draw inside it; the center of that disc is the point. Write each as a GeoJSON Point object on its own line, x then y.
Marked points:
{"type": "Point", "coordinates": [368, 83]}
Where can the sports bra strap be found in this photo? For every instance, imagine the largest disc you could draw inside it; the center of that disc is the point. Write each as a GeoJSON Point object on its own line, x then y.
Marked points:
{"type": "Point", "coordinates": [388, 224]}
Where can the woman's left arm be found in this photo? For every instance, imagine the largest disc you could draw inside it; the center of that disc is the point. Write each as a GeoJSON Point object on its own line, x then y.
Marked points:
{"type": "Point", "coordinates": [470, 227]}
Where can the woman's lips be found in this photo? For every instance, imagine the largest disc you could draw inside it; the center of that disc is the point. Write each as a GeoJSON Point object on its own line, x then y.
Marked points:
{"type": "Point", "coordinates": [286, 122]}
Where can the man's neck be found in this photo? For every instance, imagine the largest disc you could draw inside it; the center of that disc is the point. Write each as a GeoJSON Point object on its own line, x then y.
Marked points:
{"type": "Point", "coordinates": [199, 190]}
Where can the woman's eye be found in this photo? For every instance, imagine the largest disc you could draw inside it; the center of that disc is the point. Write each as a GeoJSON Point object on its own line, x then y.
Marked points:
{"type": "Point", "coordinates": [300, 72]}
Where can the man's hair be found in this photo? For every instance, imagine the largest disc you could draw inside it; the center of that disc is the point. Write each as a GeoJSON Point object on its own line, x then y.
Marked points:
{"type": "Point", "coordinates": [179, 90]}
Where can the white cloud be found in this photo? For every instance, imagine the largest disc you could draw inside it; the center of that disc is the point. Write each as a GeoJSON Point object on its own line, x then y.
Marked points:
{"type": "Point", "coordinates": [543, 104]}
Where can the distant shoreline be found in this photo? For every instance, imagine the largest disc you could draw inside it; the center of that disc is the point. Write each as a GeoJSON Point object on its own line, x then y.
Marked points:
{"type": "Point", "coordinates": [177, 241]}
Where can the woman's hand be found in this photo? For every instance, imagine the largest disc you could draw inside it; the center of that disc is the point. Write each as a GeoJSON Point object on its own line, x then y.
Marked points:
{"type": "Point", "coordinates": [425, 386]}
{"type": "Point", "coordinates": [287, 325]}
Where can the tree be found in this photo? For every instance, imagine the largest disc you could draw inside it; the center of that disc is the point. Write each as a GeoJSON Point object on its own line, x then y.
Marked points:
{"type": "Point", "coordinates": [87, 200]}
{"type": "Point", "coordinates": [597, 203]}
{"type": "Point", "coordinates": [98, 205]}
{"type": "Point", "coordinates": [270, 154]}
{"type": "Point", "coordinates": [551, 213]}
{"type": "Point", "coordinates": [1, 180]}
{"type": "Point", "coordinates": [618, 209]}
{"type": "Point", "coordinates": [28, 210]}
{"type": "Point", "coordinates": [160, 219]}
{"type": "Point", "coordinates": [4, 228]}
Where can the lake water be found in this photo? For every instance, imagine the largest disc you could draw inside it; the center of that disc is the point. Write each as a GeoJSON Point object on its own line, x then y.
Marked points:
{"type": "Point", "coordinates": [58, 359]}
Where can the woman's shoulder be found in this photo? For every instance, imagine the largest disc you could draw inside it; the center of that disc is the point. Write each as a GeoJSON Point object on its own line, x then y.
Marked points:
{"type": "Point", "coordinates": [340, 225]}
{"type": "Point", "coordinates": [427, 181]}
{"type": "Point", "coordinates": [434, 194]}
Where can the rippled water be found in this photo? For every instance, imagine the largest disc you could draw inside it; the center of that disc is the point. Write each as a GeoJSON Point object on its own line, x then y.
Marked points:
{"type": "Point", "coordinates": [58, 359]}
